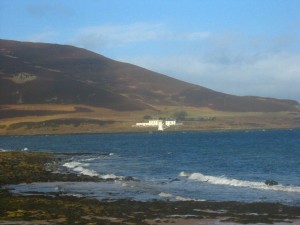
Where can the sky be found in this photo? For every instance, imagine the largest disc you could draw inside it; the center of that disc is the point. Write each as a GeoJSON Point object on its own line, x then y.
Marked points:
{"type": "Point", "coordinates": [240, 47]}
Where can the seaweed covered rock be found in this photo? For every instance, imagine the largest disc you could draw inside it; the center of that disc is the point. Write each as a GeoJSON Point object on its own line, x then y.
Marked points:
{"type": "Point", "coordinates": [27, 167]}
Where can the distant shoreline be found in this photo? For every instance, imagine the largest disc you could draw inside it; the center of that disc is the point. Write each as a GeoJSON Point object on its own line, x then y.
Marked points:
{"type": "Point", "coordinates": [153, 131]}
{"type": "Point", "coordinates": [74, 119]}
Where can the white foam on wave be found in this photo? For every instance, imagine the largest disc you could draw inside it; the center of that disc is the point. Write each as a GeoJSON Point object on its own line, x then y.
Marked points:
{"type": "Point", "coordinates": [110, 176]}
{"type": "Point", "coordinates": [97, 157]}
{"type": "Point", "coordinates": [183, 174]}
{"type": "Point", "coordinates": [165, 195]}
{"type": "Point", "coordinates": [85, 171]}
{"type": "Point", "coordinates": [178, 198]}
{"type": "Point", "coordinates": [74, 164]}
{"type": "Point", "coordinates": [81, 169]}
{"type": "Point", "coordinates": [89, 159]}
{"type": "Point", "coordinates": [238, 183]}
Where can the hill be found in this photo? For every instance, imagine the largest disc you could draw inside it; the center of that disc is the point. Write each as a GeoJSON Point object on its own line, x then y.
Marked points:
{"type": "Point", "coordinates": [39, 73]}
{"type": "Point", "coordinates": [51, 89]}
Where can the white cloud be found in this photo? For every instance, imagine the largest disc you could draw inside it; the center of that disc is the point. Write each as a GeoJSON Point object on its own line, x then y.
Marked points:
{"type": "Point", "coordinates": [116, 35]}
{"type": "Point", "coordinates": [110, 35]}
{"type": "Point", "coordinates": [270, 75]}
{"type": "Point", "coordinates": [230, 62]}
{"type": "Point", "coordinates": [43, 9]}
{"type": "Point", "coordinates": [193, 36]}
{"type": "Point", "coordinates": [43, 36]}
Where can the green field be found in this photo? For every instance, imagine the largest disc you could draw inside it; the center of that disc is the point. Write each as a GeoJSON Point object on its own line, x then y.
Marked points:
{"type": "Point", "coordinates": [62, 119]}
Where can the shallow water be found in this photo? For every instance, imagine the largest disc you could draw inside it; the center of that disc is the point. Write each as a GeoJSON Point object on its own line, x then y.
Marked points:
{"type": "Point", "coordinates": [220, 166]}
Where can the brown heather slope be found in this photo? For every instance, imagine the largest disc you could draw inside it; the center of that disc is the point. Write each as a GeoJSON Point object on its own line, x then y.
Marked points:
{"type": "Point", "coordinates": [38, 73]}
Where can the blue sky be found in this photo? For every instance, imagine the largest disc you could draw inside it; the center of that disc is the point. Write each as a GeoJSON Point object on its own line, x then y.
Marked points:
{"type": "Point", "coordinates": [242, 47]}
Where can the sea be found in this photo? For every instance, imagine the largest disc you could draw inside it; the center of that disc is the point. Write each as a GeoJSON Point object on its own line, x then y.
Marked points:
{"type": "Point", "coordinates": [244, 166]}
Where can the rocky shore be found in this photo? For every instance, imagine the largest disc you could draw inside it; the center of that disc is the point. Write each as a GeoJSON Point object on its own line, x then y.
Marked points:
{"type": "Point", "coordinates": [26, 167]}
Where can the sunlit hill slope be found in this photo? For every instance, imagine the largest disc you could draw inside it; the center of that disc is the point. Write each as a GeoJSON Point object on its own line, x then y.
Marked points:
{"type": "Point", "coordinates": [50, 76]}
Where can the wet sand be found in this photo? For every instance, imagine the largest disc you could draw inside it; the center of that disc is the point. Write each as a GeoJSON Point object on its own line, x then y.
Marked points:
{"type": "Point", "coordinates": [70, 210]}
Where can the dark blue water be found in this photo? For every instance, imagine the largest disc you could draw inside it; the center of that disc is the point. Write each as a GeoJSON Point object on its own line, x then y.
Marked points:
{"type": "Point", "coordinates": [178, 166]}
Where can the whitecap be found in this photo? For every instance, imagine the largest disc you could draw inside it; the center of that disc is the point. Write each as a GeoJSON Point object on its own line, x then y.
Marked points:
{"type": "Point", "coordinates": [222, 180]}
{"type": "Point", "coordinates": [73, 195]}
{"type": "Point", "coordinates": [89, 159]}
{"type": "Point", "coordinates": [72, 165]}
{"type": "Point", "coordinates": [183, 174]}
{"type": "Point", "coordinates": [85, 171]}
{"type": "Point", "coordinates": [165, 195]}
{"type": "Point", "coordinates": [177, 198]}
{"type": "Point", "coordinates": [79, 167]}
{"type": "Point", "coordinates": [109, 176]}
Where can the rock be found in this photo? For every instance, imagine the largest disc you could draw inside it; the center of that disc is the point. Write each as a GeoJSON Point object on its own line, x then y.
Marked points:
{"type": "Point", "coordinates": [129, 178]}
{"type": "Point", "coordinates": [176, 179]}
{"type": "Point", "coordinates": [271, 182]}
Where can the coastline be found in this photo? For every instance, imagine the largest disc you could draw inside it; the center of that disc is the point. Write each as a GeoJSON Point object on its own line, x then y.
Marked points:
{"type": "Point", "coordinates": [42, 119]}
{"type": "Point", "coordinates": [26, 167]}
{"type": "Point", "coordinates": [154, 131]}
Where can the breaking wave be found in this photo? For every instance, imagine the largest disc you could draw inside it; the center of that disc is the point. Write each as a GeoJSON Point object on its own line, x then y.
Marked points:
{"type": "Point", "coordinates": [81, 169]}
{"type": "Point", "coordinates": [177, 198]}
{"type": "Point", "coordinates": [98, 157]}
{"type": "Point", "coordinates": [238, 183]}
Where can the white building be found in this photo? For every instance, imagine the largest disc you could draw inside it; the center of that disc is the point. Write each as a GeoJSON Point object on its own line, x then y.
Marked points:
{"type": "Point", "coordinates": [170, 123]}
{"type": "Point", "coordinates": [154, 122]}
{"type": "Point", "coordinates": [161, 124]}
{"type": "Point", "coordinates": [142, 124]}
{"type": "Point", "coordinates": [151, 123]}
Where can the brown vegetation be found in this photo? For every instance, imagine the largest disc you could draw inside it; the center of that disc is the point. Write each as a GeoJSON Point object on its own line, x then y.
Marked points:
{"type": "Point", "coordinates": [51, 89]}
{"type": "Point", "coordinates": [60, 119]}
{"type": "Point", "coordinates": [36, 73]}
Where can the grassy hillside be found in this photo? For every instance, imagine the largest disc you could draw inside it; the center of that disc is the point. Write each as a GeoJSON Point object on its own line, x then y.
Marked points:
{"type": "Point", "coordinates": [60, 119]}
